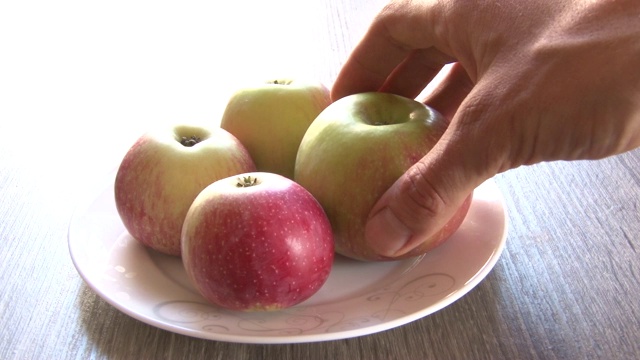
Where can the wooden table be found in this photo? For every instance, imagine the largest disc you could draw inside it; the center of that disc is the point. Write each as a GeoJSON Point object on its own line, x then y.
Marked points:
{"type": "Point", "coordinates": [80, 81]}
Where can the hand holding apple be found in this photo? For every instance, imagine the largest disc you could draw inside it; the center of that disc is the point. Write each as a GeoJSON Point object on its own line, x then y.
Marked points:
{"type": "Point", "coordinates": [163, 172]}
{"type": "Point", "coordinates": [257, 241]}
{"type": "Point", "coordinates": [354, 151]}
{"type": "Point", "coordinates": [270, 120]}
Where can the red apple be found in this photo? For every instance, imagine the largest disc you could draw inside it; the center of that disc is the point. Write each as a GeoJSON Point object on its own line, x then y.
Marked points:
{"type": "Point", "coordinates": [271, 118]}
{"type": "Point", "coordinates": [163, 172]}
{"type": "Point", "coordinates": [355, 150]}
{"type": "Point", "coordinates": [257, 241]}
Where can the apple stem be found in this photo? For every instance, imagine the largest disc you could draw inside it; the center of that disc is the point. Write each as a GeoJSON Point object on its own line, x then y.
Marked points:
{"type": "Point", "coordinates": [189, 141]}
{"type": "Point", "coordinates": [247, 181]}
{"type": "Point", "coordinates": [280, 82]}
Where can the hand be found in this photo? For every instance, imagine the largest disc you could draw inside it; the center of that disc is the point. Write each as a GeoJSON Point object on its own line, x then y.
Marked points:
{"type": "Point", "coordinates": [532, 81]}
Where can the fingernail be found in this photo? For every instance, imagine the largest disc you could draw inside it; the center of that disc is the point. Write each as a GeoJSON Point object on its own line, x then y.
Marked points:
{"type": "Point", "coordinates": [386, 234]}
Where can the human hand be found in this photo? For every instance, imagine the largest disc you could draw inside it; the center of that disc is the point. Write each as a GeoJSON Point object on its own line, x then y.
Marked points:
{"type": "Point", "coordinates": [532, 81]}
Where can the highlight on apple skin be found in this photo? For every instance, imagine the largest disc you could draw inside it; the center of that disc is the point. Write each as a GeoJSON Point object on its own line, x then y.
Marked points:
{"type": "Point", "coordinates": [355, 150]}
{"type": "Point", "coordinates": [163, 172]}
{"type": "Point", "coordinates": [257, 242]}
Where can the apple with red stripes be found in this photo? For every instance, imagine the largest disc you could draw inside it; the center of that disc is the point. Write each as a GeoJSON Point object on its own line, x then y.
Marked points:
{"type": "Point", "coordinates": [257, 242]}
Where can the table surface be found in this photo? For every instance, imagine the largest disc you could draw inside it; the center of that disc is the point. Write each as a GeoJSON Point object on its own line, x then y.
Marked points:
{"type": "Point", "coordinates": [80, 81]}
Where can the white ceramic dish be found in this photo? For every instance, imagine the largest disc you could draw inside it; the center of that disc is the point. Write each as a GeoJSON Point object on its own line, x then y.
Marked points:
{"type": "Point", "coordinates": [358, 298]}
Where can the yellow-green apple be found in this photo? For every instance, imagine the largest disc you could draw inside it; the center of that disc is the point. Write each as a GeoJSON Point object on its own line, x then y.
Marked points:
{"type": "Point", "coordinates": [355, 150]}
{"type": "Point", "coordinates": [271, 118]}
{"type": "Point", "coordinates": [164, 171]}
{"type": "Point", "coordinates": [257, 242]}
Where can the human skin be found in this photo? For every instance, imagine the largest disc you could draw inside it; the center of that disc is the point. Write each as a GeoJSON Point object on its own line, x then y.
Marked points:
{"type": "Point", "coordinates": [531, 81]}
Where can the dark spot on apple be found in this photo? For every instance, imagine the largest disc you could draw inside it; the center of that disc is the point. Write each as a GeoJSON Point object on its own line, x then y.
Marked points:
{"type": "Point", "coordinates": [189, 141]}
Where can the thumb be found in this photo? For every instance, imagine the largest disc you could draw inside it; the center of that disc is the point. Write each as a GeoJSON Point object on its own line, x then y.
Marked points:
{"type": "Point", "coordinates": [427, 204]}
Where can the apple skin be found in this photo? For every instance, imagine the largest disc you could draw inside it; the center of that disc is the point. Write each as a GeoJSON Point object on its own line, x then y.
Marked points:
{"type": "Point", "coordinates": [355, 150]}
{"type": "Point", "coordinates": [271, 118]}
{"type": "Point", "coordinates": [261, 247]}
{"type": "Point", "coordinates": [159, 178]}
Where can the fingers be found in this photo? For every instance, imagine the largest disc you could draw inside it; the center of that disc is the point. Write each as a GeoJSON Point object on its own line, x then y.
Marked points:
{"type": "Point", "coordinates": [370, 63]}
{"type": "Point", "coordinates": [523, 99]}
{"type": "Point", "coordinates": [393, 55]}
{"type": "Point", "coordinates": [421, 203]}
{"type": "Point", "coordinates": [449, 94]}
{"type": "Point", "coordinates": [415, 72]}
{"type": "Point", "coordinates": [418, 205]}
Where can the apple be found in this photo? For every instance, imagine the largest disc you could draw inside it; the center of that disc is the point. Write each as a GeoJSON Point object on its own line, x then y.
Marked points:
{"type": "Point", "coordinates": [271, 118]}
{"type": "Point", "coordinates": [355, 150]}
{"type": "Point", "coordinates": [164, 171]}
{"type": "Point", "coordinates": [257, 242]}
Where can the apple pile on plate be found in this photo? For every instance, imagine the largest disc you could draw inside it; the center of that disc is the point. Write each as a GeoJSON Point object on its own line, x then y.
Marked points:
{"type": "Point", "coordinates": [257, 207]}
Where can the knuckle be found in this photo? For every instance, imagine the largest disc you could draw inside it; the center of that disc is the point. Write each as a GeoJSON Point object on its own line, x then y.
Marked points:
{"type": "Point", "coordinates": [420, 198]}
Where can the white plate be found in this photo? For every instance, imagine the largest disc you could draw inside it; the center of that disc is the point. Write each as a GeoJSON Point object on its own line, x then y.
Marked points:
{"type": "Point", "coordinates": [358, 298]}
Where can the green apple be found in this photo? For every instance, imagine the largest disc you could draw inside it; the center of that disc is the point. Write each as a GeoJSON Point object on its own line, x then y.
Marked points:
{"type": "Point", "coordinates": [355, 150]}
{"type": "Point", "coordinates": [271, 118]}
{"type": "Point", "coordinates": [164, 171]}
